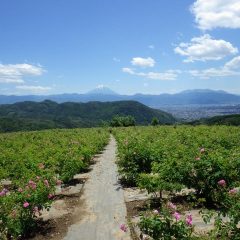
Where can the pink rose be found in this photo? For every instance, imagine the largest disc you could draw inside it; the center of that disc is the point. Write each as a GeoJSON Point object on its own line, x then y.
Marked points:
{"type": "Point", "coordinates": [46, 183]}
{"type": "Point", "coordinates": [3, 192]}
{"type": "Point", "coordinates": [222, 183]}
{"type": "Point", "coordinates": [123, 227]}
{"type": "Point", "coordinates": [26, 204]}
{"type": "Point", "coordinates": [50, 196]}
{"type": "Point", "coordinates": [233, 191]}
{"type": "Point", "coordinates": [189, 220]}
{"type": "Point", "coordinates": [32, 184]}
{"type": "Point", "coordinates": [177, 215]}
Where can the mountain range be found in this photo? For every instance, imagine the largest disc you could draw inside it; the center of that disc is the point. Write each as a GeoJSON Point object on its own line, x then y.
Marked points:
{"type": "Point", "coordinates": [188, 97]}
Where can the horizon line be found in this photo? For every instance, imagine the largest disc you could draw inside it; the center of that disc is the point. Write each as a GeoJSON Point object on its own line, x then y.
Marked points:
{"type": "Point", "coordinates": [120, 94]}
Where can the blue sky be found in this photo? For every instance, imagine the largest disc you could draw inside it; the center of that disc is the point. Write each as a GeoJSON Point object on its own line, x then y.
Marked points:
{"type": "Point", "coordinates": [130, 46]}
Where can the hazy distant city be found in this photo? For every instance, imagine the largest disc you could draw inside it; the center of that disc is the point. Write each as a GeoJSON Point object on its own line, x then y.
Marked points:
{"type": "Point", "coordinates": [193, 112]}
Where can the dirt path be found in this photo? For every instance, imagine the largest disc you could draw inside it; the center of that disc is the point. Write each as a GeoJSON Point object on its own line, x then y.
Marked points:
{"type": "Point", "coordinates": [104, 208]}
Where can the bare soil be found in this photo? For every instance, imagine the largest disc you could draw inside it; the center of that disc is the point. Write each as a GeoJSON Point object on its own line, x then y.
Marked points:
{"type": "Point", "coordinates": [56, 228]}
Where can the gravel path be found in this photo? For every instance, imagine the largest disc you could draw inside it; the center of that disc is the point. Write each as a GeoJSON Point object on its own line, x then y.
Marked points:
{"type": "Point", "coordinates": [105, 208]}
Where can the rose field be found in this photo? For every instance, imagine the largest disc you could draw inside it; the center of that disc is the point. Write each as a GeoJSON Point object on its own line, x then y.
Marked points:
{"type": "Point", "coordinates": [167, 160]}
{"type": "Point", "coordinates": [34, 163]}
{"type": "Point", "coordinates": [182, 169]}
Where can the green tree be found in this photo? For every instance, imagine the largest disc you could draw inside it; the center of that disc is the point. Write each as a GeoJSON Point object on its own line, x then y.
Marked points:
{"type": "Point", "coordinates": [122, 121]}
{"type": "Point", "coordinates": [155, 121]}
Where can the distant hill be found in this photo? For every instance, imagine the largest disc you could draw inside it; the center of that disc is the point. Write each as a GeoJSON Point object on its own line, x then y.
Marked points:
{"type": "Point", "coordinates": [220, 120]}
{"type": "Point", "coordinates": [189, 97]}
{"type": "Point", "coordinates": [48, 114]}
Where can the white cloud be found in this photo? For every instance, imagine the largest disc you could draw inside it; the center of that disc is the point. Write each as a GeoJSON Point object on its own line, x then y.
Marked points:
{"type": "Point", "coordinates": [143, 62]}
{"type": "Point", "coordinates": [210, 14]}
{"type": "Point", "coordinates": [205, 48]}
{"type": "Point", "coordinates": [230, 68]}
{"type": "Point", "coordinates": [128, 70]}
{"type": "Point", "coordinates": [151, 46]}
{"type": "Point", "coordinates": [14, 73]}
{"type": "Point", "coordinates": [167, 75]}
{"type": "Point", "coordinates": [7, 79]}
{"type": "Point", "coordinates": [213, 72]}
{"type": "Point", "coordinates": [35, 89]}
{"type": "Point", "coordinates": [233, 64]}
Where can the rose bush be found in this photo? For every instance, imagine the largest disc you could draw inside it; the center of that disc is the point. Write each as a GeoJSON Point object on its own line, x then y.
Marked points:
{"type": "Point", "coordinates": [167, 224]}
{"type": "Point", "coordinates": [204, 159]}
{"type": "Point", "coordinates": [168, 158]}
{"type": "Point", "coordinates": [35, 162]}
